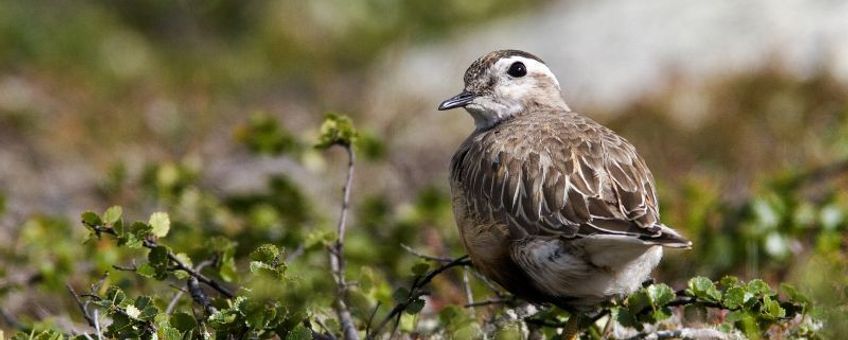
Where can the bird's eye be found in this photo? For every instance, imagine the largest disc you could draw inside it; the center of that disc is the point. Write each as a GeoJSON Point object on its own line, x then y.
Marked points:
{"type": "Point", "coordinates": [517, 69]}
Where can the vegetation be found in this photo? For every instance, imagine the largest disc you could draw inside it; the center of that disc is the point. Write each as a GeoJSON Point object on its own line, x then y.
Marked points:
{"type": "Point", "coordinates": [133, 95]}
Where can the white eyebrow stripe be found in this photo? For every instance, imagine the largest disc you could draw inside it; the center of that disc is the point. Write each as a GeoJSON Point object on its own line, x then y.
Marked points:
{"type": "Point", "coordinates": [532, 65]}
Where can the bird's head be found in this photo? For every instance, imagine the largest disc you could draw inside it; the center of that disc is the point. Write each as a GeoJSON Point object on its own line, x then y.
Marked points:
{"type": "Point", "coordinates": [504, 84]}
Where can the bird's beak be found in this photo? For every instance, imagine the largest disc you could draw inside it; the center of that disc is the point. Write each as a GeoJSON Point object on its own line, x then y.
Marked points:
{"type": "Point", "coordinates": [456, 101]}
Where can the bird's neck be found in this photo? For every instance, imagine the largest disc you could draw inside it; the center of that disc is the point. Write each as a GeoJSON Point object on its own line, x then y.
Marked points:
{"type": "Point", "coordinates": [491, 114]}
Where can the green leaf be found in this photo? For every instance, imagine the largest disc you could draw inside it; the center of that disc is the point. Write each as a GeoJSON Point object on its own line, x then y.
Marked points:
{"type": "Point", "coordinates": [114, 296]}
{"type": "Point", "coordinates": [160, 224]}
{"type": "Point", "coordinates": [223, 318]}
{"type": "Point", "coordinates": [300, 332]}
{"type": "Point", "coordinates": [91, 219]}
{"type": "Point", "coordinates": [735, 297]}
{"type": "Point", "coordinates": [420, 268]}
{"type": "Point", "coordinates": [794, 295]}
{"type": "Point", "coordinates": [729, 281]}
{"type": "Point", "coordinates": [112, 214]}
{"type": "Point", "coordinates": [146, 270]}
{"type": "Point", "coordinates": [771, 309]}
{"type": "Point", "coordinates": [184, 259]}
{"type": "Point", "coordinates": [628, 319]}
{"type": "Point", "coordinates": [158, 259]}
{"type": "Point", "coordinates": [703, 288]}
{"type": "Point", "coordinates": [146, 307]}
{"type": "Point", "coordinates": [121, 327]}
{"type": "Point", "coordinates": [170, 333]}
{"type": "Point", "coordinates": [415, 307]}
{"type": "Point", "coordinates": [183, 321]}
{"type": "Point", "coordinates": [660, 294]}
{"type": "Point", "coordinates": [400, 294]}
{"type": "Point", "coordinates": [336, 130]}
{"type": "Point", "coordinates": [638, 301]}
{"type": "Point", "coordinates": [759, 288]}
{"type": "Point", "coordinates": [266, 253]}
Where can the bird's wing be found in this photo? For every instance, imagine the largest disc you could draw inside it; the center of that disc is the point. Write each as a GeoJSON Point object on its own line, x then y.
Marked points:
{"type": "Point", "coordinates": [571, 178]}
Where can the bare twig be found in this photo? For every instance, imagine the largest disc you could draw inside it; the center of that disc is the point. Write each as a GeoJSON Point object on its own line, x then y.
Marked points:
{"type": "Point", "coordinates": [469, 295]}
{"type": "Point", "coordinates": [683, 333]}
{"type": "Point", "coordinates": [295, 254]}
{"type": "Point", "coordinates": [337, 264]}
{"type": "Point", "coordinates": [199, 296]}
{"type": "Point", "coordinates": [371, 319]}
{"type": "Point", "coordinates": [488, 302]}
{"type": "Point", "coordinates": [131, 268]}
{"type": "Point", "coordinates": [82, 307]}
{"type": "Point", "coordinates": [425, 256]}
{"type": "Point", "coordinates": [97, 324]}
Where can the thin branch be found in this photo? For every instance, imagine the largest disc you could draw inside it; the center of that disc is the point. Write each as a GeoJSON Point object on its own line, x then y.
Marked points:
{"type": "Point", "coordinates": [199, 296]}
{"type": "Point", "coordinates": [416, 291]}
{"type": "Point", "coordinates": [488, 302]}
{"type": "Point", "coordinates": [682, 333]}
{"type": "Point", "coordinates": [174, 301]}
{"type": "Point", "coordinates": [195, 273]}
{"type": "Point", "coordinates": [337, 264]}
{"type": "Point", "coordinates": [425, 256]}
{"type": "Point", "coordinates": [469, 295]}
{"type": "Point", "coordinates": [371, 319]}
{"type": "Point", "coordinates": [97, 324]}
{"type": "Point", "coordinates": [150, 244]}
{"type": "Point", "coordinates": [81, 306]}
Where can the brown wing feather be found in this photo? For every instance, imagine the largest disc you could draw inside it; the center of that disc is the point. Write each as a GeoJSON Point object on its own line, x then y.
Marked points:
{"type": "Point", "coordinates": [561, 174]}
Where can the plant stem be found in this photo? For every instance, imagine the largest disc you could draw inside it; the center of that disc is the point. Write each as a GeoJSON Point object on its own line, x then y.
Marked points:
{"type": "Point", "coordinates": [336, 251]}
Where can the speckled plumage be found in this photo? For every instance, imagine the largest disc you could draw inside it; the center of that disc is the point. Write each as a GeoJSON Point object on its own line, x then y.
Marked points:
{"type": "Point", "coordinates": [550, 204]}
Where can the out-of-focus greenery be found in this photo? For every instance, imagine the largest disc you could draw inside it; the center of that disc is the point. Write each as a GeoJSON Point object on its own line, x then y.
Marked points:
{"type": "Point", "coordinates": [752, 168]}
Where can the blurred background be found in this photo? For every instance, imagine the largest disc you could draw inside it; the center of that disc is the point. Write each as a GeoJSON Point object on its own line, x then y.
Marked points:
{"type": "Point", "coordinates": [208, 110]}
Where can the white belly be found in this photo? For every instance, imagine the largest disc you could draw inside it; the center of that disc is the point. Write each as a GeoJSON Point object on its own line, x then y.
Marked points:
{"type": "Point", "coordinates": [589, 270]}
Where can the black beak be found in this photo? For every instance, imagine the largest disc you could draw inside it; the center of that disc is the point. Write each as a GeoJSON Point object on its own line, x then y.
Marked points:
{"type": "Point", "coordinates": [456, 101]}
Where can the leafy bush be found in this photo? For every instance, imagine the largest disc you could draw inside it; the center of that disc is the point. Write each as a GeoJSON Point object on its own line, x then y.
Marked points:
{"type": "Point", "coordinates": [176, 288]}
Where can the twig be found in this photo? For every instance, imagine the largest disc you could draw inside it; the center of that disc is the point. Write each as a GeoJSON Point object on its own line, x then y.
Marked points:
{"type": "Point", "coordinates": [415, 292]}
{"type": "Point", "coordinates": [97, 324]}
{"type": "Point", "coordinates": [295, 254]}
{"type": "Point", "coordinates": [469, 295]}
{"type": "Point", "coordinates": [81, 306]}
{"type": "Point", "coordinates": [199, 296]}
{"type": "Point", "coordinates": [173, 303]}
{"type": "Point", "coordinates": [371, 319]}
{"type": "Point", "coordinates": [180, 290]}
{"type": "Point", "coordinates": [150, 244]}
{"type": "Point", "coordinates": [195, 273]}
{"type": "Point", "coordinates": [336, 251]}
{"type": "Point", "coordinates": [131, 268]}
{"type": "Point", "coordinates": [682, 333]}
{"type": "Point", "coordinates": [488, 302]}
{"type": "Point", "coordinates": [425, 256]}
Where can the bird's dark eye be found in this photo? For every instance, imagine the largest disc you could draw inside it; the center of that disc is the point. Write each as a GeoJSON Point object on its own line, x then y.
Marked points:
{"type": "Point", "coordinates": [517, 69]}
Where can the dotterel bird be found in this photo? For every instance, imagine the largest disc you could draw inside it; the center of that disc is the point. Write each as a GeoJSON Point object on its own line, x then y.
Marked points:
{"type": "Point", "coordinates": [550, 204]}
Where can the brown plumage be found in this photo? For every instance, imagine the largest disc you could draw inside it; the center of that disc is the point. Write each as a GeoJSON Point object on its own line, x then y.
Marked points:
{"type": "Point", "coordinates": [550, 204]}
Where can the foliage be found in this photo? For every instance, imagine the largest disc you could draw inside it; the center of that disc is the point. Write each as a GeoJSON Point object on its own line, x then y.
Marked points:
{"type": "Point", "coordinates": [146, 92]}
{"type": "Point", "coordinates": [264, 291]}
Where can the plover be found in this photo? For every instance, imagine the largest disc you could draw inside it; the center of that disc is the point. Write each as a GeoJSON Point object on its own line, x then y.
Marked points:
{"type": "Point", "coordinates": [553, 206]}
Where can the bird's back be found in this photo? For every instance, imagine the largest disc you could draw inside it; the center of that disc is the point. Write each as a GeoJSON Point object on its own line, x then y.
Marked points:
{"type": "Point", "coordinates": [559, 178]}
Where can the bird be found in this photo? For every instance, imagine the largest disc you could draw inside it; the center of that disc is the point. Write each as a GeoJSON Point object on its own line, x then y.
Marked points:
{"type": "Point", "coordinates": [553, 206]}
